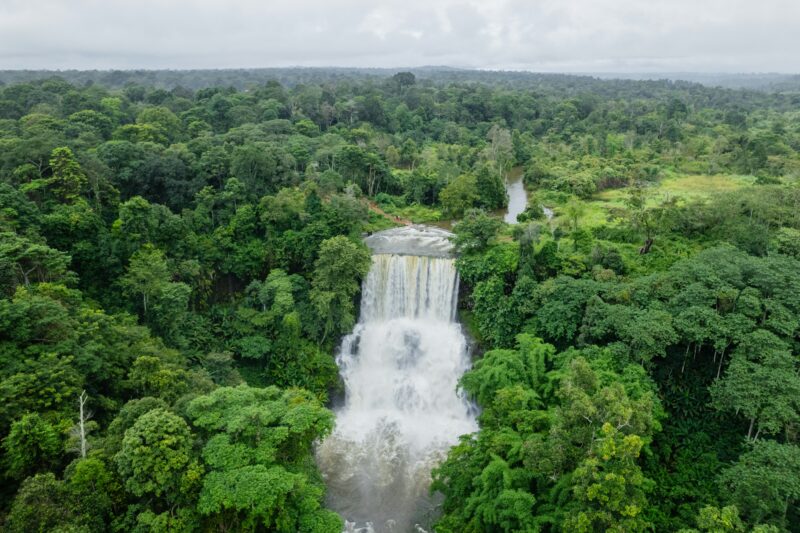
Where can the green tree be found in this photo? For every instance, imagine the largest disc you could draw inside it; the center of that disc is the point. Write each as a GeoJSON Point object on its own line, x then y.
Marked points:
{"type": "Point", "coordinates": [68, 180]}
{"type": "Point", "coordinates": [404, 79]}
{"type": "Point", "coordinates": [764, 387]}
{"type": "Point", "coordinates": [501, 149]}
{"type": "Point", "coordinates": [495, 313]}
{"type": "Point", "coordinates": [147, 274]}
{"type": "Point", "coordinates": [787, 242]}
{"type": "Point", "coordinates": [156, 454]}
{"type": "Point", "coordinates": [765, 482]}
{"type": "Point", "coordinates": [609, 486]}
{"type": "Point", "coordinates": [645, 219]}
{"type": "Point", "coordinates": [364, 168]}
{"type": "Point", "coordinates": [716, 520]}
{"type": "Point", "coordinates": [163, 120]}
{"type": "Point", "coordinates": [500, 369]}
{"type": "Point", "coordinates": [40, 505]}
{"type": "Point", "coordinates": [95, 493]}
{"type": "Point", "coordinates": [490, 187]}
{"type": "Point", "coordinates": [125, 419]}
{"type": "Point", "coordinates": [476, 231]}
{"type": "Point", "coordinates": [336, 280]}
{"type": "Point", "coordinates": [33, 445]}
{"type": "Point", "coordinates": [262, 167]}
{"type": "Point", "coordinates": [259, 454]}
{"type": "Point", "coordinates": [575, 210]}
{"type": "Point", "coordinates": [23, 261]}
{"type": "Point", "coordinates": [459, 195]}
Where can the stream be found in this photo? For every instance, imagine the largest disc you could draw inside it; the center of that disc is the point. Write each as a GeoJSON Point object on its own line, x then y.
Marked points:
{"type": "Point", "coordinates": [517, 195]}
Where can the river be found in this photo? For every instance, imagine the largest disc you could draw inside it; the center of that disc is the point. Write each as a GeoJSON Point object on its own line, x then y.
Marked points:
{"type": "Point", "coordinates": [517, 195]}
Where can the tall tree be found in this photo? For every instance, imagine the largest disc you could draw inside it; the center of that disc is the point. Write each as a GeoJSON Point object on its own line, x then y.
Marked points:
{"type": "Point", "coordinates": [156, 455]}
{"type": "Point", "coordinates": [258, 451]}
{"type": "Point", "coordinates": [765, 482]}
{"type": "Point", "coordinates": [337, 276]}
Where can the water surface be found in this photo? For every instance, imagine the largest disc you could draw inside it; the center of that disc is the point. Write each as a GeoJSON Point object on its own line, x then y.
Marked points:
{"type": "Point", "coordinates": [517, 195]}
{"type": "Point", "coordinates": [400, 367]}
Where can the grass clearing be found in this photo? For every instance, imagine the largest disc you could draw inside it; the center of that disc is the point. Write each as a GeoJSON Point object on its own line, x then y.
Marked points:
{"type": "Point", "coordinates": [704, 185]}
{"type": "Point", "coordinates": [608, 206]}
{"type": "Point", "coordinates": [691, 187]}
{"type": "Point", "coordinates": [418, 214]}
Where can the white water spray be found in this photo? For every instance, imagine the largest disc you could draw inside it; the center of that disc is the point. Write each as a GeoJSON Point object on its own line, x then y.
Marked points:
{"type": "Point", "coordinates": [400, 366]}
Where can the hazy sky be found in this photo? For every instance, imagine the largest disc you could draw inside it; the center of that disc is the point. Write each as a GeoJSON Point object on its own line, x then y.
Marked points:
{"type": "Point", "coordinates": [541, 35]}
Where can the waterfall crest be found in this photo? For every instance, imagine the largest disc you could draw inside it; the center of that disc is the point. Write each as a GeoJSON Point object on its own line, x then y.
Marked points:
{"type": "Point", "coordinates": [400, 367]}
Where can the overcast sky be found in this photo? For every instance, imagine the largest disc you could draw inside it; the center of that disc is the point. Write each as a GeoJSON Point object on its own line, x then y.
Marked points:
{"type": "Point", "coordinates": [539, 35]}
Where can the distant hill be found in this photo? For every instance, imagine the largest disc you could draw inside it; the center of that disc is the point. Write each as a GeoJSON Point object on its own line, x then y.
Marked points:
{"type": "Point", "coordinates": [292, 76]}
{"type": "Point", "coordinates": [758, 81]}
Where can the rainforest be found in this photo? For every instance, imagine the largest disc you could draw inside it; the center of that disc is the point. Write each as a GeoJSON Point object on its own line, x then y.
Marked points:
{"type": "Point", "coordinates": [326, 300]}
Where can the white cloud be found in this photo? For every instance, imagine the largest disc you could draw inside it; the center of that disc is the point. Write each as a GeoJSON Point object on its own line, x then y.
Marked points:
{"type": "Point", "coordinates": [545, 35]}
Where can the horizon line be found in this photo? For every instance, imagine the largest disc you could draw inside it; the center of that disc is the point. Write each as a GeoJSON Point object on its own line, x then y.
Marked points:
{"type": "Point", "coordinates": [419, 67]}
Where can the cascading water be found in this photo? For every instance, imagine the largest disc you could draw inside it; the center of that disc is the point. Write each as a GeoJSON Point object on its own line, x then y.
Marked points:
{"type": "Point", "coordinates": [400, 366]}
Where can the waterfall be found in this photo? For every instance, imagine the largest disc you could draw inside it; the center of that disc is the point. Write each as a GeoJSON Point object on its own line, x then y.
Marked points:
{"type": "Point", "coordinates": [400, 367]}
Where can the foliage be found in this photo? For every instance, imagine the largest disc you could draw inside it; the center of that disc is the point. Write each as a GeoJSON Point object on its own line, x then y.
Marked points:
{"type": "Point", "coordinates": [155, 454]}
{"type": "Point", "coordinates": [510, 476]}
{"type": "Point", "coordinates": [258, 452]}
{"type": "Point", "coordinates": [476, 231]}
{"type": "Point", "coordinates": [336, 280]}
{"type": "Point", "coordinates": [459, 195]}
{"type": "Point", "coordinates": [32, 445]}
{"type": "Point", "coordinates": [609, 486]}
{"type": "Point", "coordinates": [166, 235]}
{"type": "Point", "coordinates": [764, 482]}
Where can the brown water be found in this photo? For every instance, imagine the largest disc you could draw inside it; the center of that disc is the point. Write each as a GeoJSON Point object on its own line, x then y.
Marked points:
{"type": "Point", "coordinates": [517, 196]}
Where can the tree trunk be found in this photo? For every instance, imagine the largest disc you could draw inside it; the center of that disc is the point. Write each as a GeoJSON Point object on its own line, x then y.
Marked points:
{"type": "Point", "coordinates": [685, 357]}
{"type": "Point", "coordinates": [82, 423]}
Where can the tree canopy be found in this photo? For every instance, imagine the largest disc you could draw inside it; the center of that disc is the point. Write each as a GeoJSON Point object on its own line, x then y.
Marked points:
{"type": "Point", "coordinates": [181, 253]}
